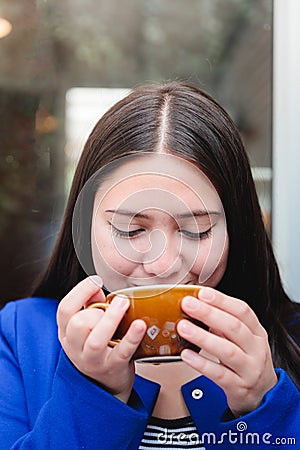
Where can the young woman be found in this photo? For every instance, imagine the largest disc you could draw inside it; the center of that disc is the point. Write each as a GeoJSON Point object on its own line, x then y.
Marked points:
{"type": "Point", "coordinates": [163, 194]}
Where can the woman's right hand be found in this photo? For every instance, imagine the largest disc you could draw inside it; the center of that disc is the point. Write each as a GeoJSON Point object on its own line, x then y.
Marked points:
{"type": "Point", "coordinates": [85, 333]}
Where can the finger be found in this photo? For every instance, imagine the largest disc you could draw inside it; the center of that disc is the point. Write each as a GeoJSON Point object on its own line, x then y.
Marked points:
{"type": "Point", "coordinates": [233, 306]}
{"type": "Point", "coordinates": [226, 325]}
{"type": "Point", "coordinates": [80, 326]}
{"type": "Point", "coordinates": [103, 332]}
{"type": "Point", "coordinates": [228, 353]}
{"type": "Point", "coordinates": [76, 298]}
{"type": "Point", "coordinates": [218, 373]}
{"type": "Point", "coordinates": [128, 345]}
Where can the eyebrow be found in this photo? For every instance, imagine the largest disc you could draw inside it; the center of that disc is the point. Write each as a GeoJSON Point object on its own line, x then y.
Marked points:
{"type": "Point", "coordinates": [197, 213]}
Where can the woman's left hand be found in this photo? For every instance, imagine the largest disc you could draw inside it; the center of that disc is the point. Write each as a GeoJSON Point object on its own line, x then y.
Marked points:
{"type": "Point", "coordinates": [243, 365]}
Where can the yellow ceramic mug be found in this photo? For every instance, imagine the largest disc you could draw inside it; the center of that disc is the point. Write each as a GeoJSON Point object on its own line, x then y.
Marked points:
{"type": "Point", "coordinates": [160, 307]}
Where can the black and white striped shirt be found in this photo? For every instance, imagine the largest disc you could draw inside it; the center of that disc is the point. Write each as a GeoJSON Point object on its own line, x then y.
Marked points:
{"type": "Point", "coordinates": [179, 434]}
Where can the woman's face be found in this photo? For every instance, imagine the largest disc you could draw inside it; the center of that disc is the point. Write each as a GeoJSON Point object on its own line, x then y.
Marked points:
{"type": "Point", "coordinates": [158, 220]}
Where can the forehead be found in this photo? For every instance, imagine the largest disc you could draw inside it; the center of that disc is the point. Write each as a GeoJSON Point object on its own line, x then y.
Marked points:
{"type": "Point", "coordinates": [157, 181]}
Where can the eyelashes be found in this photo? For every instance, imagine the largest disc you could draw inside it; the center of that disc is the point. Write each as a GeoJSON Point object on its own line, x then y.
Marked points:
{"type": "Point", "coordinates": [139, 231]}
{"type": "Point", "coordinates": [126, 234]}
{"type": "Point", "coordinates": [202, 235]}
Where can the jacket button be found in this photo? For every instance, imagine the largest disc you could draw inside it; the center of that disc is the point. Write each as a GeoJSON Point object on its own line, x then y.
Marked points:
{"type": "Point", "coordinates": [197, 394]}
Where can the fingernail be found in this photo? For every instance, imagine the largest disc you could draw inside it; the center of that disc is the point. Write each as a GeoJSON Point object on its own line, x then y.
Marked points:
{"type": "Point", "coordinates": [140, 326]}
{"type": "Point", "coordinates": [186, 328]}
{"type": "Point", "coordinates": [120, 301]}
{"type": "Point", "coordinates": [191, 303]}
{"type": "Point", "coordinates": [206, 294]}
{"type": "Point", "coordinates": [97, 280]}
{"type": "Point", "coordinates": [188, 355]}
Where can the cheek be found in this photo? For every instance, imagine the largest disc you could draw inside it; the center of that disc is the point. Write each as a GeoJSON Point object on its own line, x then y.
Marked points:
{"type": "Point", "coordinates": [108, 255]}
{"type": "Point", "coordinates": [201, 259]}
{"type": "Point", "coordinates": [211, 261]}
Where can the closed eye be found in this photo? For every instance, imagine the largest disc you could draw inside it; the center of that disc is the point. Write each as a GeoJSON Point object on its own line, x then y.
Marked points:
{"type": "Point", "coordinates": [202, 235]}
{"type": "Point", "coordinates": [126, 234]}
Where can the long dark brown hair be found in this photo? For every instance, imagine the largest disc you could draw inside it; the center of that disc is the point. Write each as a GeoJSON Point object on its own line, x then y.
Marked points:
{"type": "Point", "coordinates": [183, 120]}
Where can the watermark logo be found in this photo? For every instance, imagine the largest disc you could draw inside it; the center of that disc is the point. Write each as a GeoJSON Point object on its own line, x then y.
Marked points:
{"type": "Point", "coordinates": [241, 426]}
{"type": "Point", "coordinates": [241, 435]}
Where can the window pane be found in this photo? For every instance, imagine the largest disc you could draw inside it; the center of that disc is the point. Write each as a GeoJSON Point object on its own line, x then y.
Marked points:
{"type": "Point", "coordinates": [54, 46]}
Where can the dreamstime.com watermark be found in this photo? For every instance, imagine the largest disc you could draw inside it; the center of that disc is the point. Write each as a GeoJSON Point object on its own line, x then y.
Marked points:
{"type": "Point", "coordinates": [238, 436]}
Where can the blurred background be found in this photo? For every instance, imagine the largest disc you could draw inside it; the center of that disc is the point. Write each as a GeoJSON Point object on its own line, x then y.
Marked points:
{"type": "Point", "coordinates": [64, 62]}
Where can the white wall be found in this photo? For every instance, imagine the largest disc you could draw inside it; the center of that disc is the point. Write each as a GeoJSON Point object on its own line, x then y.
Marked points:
{"type": "Point", "coordinates": [286, 143]}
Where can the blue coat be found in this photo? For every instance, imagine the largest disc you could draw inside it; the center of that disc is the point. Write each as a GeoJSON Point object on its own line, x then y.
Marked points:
{"type": "Point", "coordinates": [46, 403]}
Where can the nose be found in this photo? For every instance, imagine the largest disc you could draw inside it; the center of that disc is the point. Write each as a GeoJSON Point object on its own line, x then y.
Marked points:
{"type": "Point", "coordinates": [163, 259]}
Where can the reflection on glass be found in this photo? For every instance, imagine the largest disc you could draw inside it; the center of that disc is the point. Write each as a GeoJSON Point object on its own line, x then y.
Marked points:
{"type": "Point", "coordinates": [5, 27]}
{"type": "Point", "coordinates": [84, 107]}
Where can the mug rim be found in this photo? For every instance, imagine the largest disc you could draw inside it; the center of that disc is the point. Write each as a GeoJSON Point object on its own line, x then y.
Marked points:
{"type": "Point", "coordinates": [149, 287]}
